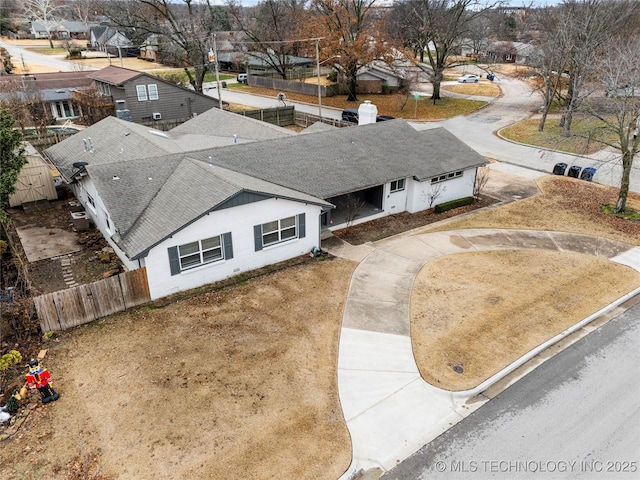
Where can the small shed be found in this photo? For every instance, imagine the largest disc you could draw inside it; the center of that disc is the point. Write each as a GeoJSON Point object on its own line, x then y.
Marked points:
{"type": "Point", "coordinates": [36, 180]}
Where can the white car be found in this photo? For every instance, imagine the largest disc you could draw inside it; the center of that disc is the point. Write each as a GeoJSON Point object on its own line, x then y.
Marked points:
{"type": "Point", "coordinates": [469, 79]}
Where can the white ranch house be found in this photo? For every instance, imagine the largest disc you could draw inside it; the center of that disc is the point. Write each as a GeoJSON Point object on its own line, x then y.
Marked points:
{"type": "Point", "coordinates": [223, 194]}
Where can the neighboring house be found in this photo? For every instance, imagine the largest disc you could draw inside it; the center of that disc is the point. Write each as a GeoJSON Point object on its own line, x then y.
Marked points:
{"type": "Point", "coordinates": [142, 98]}
{"type": "Point", "coordinates": [110, 40]}
{"type": "Point", "coordinates": [64, 29]}
{"type": "Point", "coordinates": [55, 90]}
{"type": "Point", "coordinates": [377, 77]}
{"type": "Point", "coordinates": [256, 62]}
{"type": "Point", "coordinates": [510, 52]}
{"type": "Point", "coordinates": [35, 181]}
{"type": "Point", "coordinates": [224, 194]}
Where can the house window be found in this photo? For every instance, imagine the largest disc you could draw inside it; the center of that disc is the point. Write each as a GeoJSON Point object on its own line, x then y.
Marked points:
{"type": "Point", "coordinates": [142, 93]}
{"type": "Point", "coordinates": [121, 105]}
{"type": "Point", "coordinates": [198, 253]}
{"type": "Point", "coordinates": [397, 185]}
{"type": "Point", "coordinates": [448, 176]}
{"type": "Point", "coordinates": [153, 91]}
{"type": "Point", "coordinates": [63, 109]}
{"type": "Point", "coordinates": [279, 231]}
{"type": "Point", "coordinates": [104, 88]}
{"type": "Point", "coordinates": [201, 252]}
{"type": "Point", "coordinates": [91, 202]}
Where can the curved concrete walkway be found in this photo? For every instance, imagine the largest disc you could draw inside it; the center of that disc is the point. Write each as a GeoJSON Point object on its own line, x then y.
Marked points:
{"type": "Point", "coordinates": [390, 411]}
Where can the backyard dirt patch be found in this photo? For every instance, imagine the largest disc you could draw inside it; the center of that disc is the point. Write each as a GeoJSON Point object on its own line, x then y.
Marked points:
{"type": "Point", "coordinates": [90, 263]}
{"type": "Point", "coordinates": [234, 384]}
{"type": "Point", "coordinates": [501, 305]}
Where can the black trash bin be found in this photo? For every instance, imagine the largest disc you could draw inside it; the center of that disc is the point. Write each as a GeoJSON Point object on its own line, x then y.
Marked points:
{"type": "Point", "coordinates": [574, 171]}
{"type": "Point", "coordinates": [559, 168]}
{"type": "Point", "coordinates": [587, 174]}
{"type": "Point", "coordinates": [224, 84]}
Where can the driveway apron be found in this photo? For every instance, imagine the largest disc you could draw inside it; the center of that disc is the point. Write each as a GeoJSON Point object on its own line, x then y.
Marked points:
{"type": "Point", "coordinates": [390, 411]}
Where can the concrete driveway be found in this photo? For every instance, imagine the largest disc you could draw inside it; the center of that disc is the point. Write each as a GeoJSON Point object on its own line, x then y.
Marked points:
{"type": "Point", "coordinates": [390, 411]}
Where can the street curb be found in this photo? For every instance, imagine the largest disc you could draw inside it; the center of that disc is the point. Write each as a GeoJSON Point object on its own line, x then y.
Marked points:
{"type": "Point", "coordinates": [464, 394]}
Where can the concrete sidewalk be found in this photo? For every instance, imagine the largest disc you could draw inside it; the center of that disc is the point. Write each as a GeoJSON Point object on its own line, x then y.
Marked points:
{"type": "Point", "coordinates": [390, 411]}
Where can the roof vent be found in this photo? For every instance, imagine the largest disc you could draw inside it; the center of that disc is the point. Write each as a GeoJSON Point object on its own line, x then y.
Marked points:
{"type": "Point", "coordinates": [80, 165]}
{"type": "Point", "coordinates": [158, 133]}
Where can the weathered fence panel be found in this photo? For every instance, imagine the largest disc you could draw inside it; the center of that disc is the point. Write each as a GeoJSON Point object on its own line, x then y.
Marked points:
{"type": "Point", "coordinates": [281, 116]}
{"type": "Point", "coordinates": [135, 287]}
{"type": "Point", "coordinates": [85, 303]}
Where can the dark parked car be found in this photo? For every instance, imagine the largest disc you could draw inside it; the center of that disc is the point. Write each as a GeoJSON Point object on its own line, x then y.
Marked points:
{"type": "Point", "coordinates": [559, 168]}
{"type": "Point", "coordinates": [384, 118]}
{"type": "Point", "coordinates": [574, 171]}
{"type": "Point", "coordinates": [350, 115]}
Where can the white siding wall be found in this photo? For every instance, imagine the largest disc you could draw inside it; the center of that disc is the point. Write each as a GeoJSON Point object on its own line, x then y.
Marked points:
{"type": "Point", "coordinates": [99, 217]}
{"type": "Point", "coordinates": [239, 221]}
{"type": "Point", "coordinates": [395, 202]}
{"type": "Point", "coordinates": [419, 193]}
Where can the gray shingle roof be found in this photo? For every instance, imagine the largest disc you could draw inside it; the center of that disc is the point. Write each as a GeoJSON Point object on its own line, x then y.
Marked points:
{"type": "Point", "coordinates": [150, 199]}
{"type": "Point", "coordinates": [113, 140]}
{"type": "Point", "coordinates": [331, 163]}
{"type": "Point", "coordinates": [160, 187]}
{"type": "Point", "coordinates": [220, 123]}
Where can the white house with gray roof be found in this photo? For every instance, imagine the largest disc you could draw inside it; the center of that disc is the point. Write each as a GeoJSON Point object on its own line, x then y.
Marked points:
{"type": "Point", "coordinates": [223, 194]}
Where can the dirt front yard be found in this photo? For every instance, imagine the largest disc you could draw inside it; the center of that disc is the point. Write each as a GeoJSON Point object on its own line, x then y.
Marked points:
{"type": "Point", "coordinates": [234, 384]}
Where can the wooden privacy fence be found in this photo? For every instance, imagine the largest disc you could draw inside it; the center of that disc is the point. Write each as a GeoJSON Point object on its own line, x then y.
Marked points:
{"type": "Point", "coordinates": [281, 116]}
{"type": "Point", "coordinates": [85, 303]}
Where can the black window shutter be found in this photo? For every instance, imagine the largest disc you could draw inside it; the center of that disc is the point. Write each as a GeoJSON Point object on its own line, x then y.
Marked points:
{"type": "Point", "coordinates": [174, 260]}
{"type": "Point", "coordinates": [228, 245]}
{"type": "Point", "coordinates": [257, 237]}
{"type": "Point", "coordinates": [302, 228]}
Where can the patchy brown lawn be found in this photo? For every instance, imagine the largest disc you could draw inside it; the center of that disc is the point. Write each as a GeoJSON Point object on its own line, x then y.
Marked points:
{"type": "Point", "coordinates": [234, 384]}
{"type": "Point", "coordinates": [564, 205]}
{"type": "Point", "coordinates": [396, 105]}
{"type": "Point", "coordinates": [501, 305]}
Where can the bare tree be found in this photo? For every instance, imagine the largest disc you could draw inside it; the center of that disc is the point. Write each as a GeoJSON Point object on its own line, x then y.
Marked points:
{"type": "Point", "coordinates": [184, 29]}
{"type": "Point", "coordinates": [619, 112]}
{"type": "Point", "coordinates": [349, 30]}
{"type": "Point", "coordinates": [482, 177]}
{"type": "Point", "coordinates": [272, 27]}
{"type": "Point", "coordinates": [438, 28]}
{"type": "Point", "coordinates": [436, 191]}
{"type": "Point", "coordinates": [549, 61]}
{"type": "Point", "coordinates": [352, 204]}
{"type": "Point", "coordinates": [44, 12]}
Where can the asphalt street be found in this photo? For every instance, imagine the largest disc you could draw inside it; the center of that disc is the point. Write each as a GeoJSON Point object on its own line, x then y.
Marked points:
{"type": "Point", "coordinates": [27, 57]}
{"type": "Point", "coordinates": [577, 416]}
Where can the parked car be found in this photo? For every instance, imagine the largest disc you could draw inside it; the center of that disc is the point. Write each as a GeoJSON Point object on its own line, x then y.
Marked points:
{"type": "Point", "coordinates": [350, 115]}
{"type": "Point", "coordinates": [242, 78]}
{"type": "Point", "coordinates": [384, 118]}
{"type": "Point", "coordinates": [469, 78]}
{"type": "Point", "coordinates": [587, 174]}
{"type": "Point", "coordinates": [574, 171]}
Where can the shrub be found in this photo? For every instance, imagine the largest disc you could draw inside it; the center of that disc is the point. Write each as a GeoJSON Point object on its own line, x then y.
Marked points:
{"type": "Point", "coordinates": [460, 202]}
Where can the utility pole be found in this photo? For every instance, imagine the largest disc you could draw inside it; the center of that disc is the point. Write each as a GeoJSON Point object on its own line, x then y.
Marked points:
{"type": "Point", "coordinates": [318, 68]}
{"type": "Point", "coordinates": [213, 57]}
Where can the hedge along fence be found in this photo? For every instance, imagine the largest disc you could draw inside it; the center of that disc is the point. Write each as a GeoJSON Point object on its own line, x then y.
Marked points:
{"type": "Point", "coordinates": [85, 303]}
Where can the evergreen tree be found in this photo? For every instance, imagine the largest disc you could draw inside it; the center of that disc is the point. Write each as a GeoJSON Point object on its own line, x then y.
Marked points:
{"type": "Point", "coordinates": [12, 157]}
